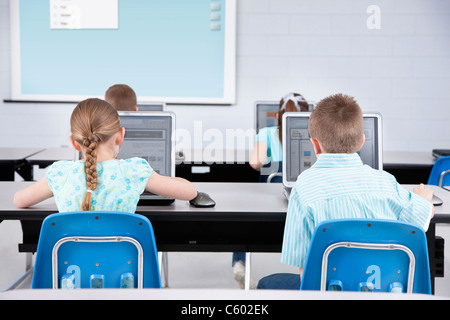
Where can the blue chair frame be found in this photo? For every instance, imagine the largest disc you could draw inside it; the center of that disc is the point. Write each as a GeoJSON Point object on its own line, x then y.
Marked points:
{"type": "Point", "coordinates": [440, 173]}
{"type": "Point", "coordinates": [96, 246]}
{"type": "Point", "coordinates": [367, 255]}
{"type": "Point", "coordinates": [272, 172]}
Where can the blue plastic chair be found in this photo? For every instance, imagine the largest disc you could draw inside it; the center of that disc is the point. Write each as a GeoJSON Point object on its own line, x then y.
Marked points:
{"type": "Point", "coordinates": [367, 255]}
{"type": "Point", "coordinates": [96, 250]}
{"type": "Point", "coordinates": [440, 173]}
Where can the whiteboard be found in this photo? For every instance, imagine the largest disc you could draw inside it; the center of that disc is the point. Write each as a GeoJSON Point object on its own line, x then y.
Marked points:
{"type": "Point", "coordinates": [173, 51]}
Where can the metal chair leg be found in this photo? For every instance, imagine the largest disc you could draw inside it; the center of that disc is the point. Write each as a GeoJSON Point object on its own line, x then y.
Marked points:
{"type": "Point", "coordinates": [164, 268]}
{"type": "Point", "coordinates": [248, 264]}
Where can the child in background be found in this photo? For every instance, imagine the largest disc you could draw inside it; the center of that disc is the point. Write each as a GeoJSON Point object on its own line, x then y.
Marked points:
{"type": "Point", "coordinates": [101, 182]}
{"type": "Point", "coordinates": [268, 141]}
{"type": "Point", "coordinates": [340, 186]}
{"type": "Point", "coordinates": [122, 97]}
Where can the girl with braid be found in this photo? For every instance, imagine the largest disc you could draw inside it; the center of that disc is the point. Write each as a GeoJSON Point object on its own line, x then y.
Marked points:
{"type": "Point", "coordinates": [101, 182]}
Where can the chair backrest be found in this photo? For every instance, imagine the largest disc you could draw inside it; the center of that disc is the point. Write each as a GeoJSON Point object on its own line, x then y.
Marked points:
{"type": "Point", "coordinates": [440, 173]}
{"type": "Point", "coordinates": [367, 255]}
{"type": "Point", "coordinates": [96, 249]}
{"type": "Point", "coordinates": [272, 172]}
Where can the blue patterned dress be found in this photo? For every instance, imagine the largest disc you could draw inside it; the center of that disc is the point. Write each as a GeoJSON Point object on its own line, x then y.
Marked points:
{"type": "Point", "coordinates": [119, 184]}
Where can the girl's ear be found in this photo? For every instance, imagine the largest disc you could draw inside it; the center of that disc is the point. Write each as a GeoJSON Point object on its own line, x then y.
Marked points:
{"type": "Point", "coordinates": [120, 136]}
{"type": "Point", "coordinates": [75, 144]}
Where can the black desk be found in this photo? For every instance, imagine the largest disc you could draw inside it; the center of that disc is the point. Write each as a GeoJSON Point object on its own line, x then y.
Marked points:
{"type": "Point", "coordinates": [46, 157]}
{"type": "Point", "coordinates": [408, 167]}
{"type": "Point", "coordinates": [13, 160]}
{"type": "Point", "coordinates": [248, 217]}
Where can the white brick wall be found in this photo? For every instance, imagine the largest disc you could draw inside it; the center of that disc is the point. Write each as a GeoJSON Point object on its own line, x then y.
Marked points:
{"type": "Point", "coordinates": [315, 47]}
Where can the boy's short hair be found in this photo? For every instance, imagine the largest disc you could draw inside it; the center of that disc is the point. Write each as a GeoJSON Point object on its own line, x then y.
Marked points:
{"type": "Point", "coordinates": [122, 97]}
{"type": "Point", "coordinates": [337, 123]}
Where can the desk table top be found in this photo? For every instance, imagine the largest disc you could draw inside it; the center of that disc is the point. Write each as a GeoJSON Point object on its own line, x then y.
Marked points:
{"type": "Point", "coordinates": [408, 158]}
{"type": "Point", "coordinates": [246, 201]}
{"type": "Point", "coordinates": [52, 155]}
{"type": "Point", "coordinates": [233, 200]}
{"type": "Point", "coordinates": [17, 154]}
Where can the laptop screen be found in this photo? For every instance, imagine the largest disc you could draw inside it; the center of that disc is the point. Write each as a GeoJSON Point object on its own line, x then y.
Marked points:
{"type": "Point", "coordinates": [156, 106]}
{"type": "Point", "coordinates": [266, 114]}
{"type": "Point", "coordinates": [298, 151]}
{"type": "Point", "coordinates": [149, 136]}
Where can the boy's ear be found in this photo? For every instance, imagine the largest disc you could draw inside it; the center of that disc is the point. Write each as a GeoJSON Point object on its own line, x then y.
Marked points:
{"type": "Point", "coordinates": [75, 144]}
{"type": "Point", "coordinates": [317, 148]}
{"type": "Point", "coordinates": [362, 141]}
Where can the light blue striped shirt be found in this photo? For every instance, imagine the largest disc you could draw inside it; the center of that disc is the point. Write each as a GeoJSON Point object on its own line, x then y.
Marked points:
{"type": "Point", "coordinates": [340, 186]}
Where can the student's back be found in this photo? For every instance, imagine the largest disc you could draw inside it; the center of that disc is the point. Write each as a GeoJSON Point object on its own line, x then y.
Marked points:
{"type": "Point", "coordinates": [100, 182]}
{"type": "Point", "coordinates": [340, 186]}
{"type": "Point", "coordinates": [119, 184]}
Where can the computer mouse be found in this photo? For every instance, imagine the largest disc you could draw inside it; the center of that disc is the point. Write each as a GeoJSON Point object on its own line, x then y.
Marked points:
{"type": "Point", "coordinates": [202, 200]}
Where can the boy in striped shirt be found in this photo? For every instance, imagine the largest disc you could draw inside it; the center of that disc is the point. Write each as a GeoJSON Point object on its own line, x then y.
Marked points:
{"type": "Point", "coordinates": [340, 186]}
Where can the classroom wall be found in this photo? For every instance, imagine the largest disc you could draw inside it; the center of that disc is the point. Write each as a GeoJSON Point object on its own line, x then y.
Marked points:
{"type": "Point", "coordinates": [315, 47]}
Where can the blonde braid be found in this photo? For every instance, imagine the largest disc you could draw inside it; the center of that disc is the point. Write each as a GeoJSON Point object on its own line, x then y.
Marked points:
{"type": "Point", "coordinates": [91, 170]}
{"type": "Point", "coordinates": [93, 121]}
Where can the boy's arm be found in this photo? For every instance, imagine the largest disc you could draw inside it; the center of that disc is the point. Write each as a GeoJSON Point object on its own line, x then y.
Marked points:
{"type": "Point", "coordinates": [416, 206]}
{"type": "Point", "coordinates": [426, 193]}
{"type": "Point", "coordinates": [33, 194]}
{"type": "Point", "coordinates": [297, 233]}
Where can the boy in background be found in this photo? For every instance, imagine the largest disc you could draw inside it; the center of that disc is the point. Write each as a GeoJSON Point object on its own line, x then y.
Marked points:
{"type": "Point", "coordinates": [122, 97]}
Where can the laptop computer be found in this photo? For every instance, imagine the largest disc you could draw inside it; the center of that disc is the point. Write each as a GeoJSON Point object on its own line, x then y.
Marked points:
{"type": "Point", "coordinates": [265, 114]}
{"type": "Point", "coordinates": [266, 111]}
{"type": "Point", "coordinates": [153, 106]}
{"type": "Point", "coordinates": [149, 135]}
{"type": "Point", "coordinates": [437, 153]}
{"type": "Point", "coordinates": [299, 155]}
{"type": "Point", "coordinates": [298, 151]}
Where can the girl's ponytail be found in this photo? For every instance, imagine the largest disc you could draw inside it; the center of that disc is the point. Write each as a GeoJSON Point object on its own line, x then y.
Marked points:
{"type": "Point", "coordinates": [93, 121]}
{"type": "Point", "coordinates": [91, 171]}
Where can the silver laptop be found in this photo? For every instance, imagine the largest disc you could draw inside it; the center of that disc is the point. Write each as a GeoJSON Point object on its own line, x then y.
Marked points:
{"type": "Point", "coordinates": [265, 113]}
{"type": "Point", "coordinates": [152, 106]}
{"type": "Point", "coordinates": [298, 151]}
{"type": "Point", "coordinates": [149, 135]}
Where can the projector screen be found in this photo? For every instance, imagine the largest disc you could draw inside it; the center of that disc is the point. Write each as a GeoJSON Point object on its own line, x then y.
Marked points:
{"type": "Point", "coordinates": [173, 51]}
